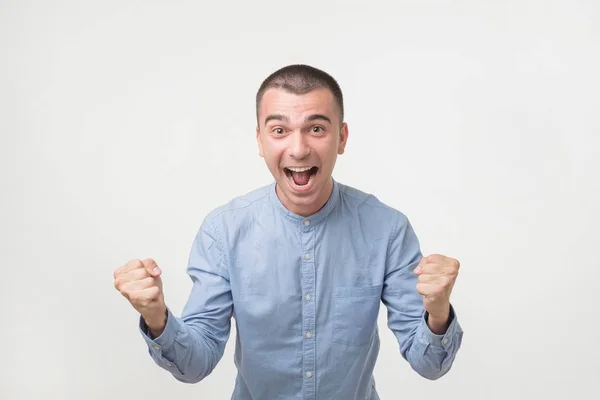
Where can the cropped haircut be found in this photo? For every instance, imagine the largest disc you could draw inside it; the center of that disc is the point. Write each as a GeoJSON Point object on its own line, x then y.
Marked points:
{"type": "Point", "coordinates": [300, 79]}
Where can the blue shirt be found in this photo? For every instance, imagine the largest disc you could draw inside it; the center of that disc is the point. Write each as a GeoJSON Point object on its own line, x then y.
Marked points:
{"type": "Point", "coordinates": [305, 294]}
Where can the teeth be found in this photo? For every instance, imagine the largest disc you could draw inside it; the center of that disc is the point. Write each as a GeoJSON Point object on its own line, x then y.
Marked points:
{"type": "Point", "coordinates": [299, 169]}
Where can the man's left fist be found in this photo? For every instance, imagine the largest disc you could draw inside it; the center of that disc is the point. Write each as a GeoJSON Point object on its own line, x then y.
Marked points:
{"type": "Point", "coordinates": [437, 274]}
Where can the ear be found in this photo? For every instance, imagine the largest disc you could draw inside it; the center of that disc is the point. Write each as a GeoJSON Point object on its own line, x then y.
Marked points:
{"type": "Point", "coordinates": [343, 138]}
{"type": "Point", "coordinates": [258, 142]}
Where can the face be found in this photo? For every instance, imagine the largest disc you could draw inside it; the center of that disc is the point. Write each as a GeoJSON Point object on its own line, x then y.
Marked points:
{"type": "Point", "coordinates": [300, 137]}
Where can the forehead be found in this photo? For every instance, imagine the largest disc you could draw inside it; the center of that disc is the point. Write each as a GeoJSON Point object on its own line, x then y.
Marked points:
{"type": "Point", "coordinates": [280, 101]}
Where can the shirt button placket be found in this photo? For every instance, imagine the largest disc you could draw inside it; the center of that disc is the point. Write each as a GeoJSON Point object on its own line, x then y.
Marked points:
{"type": "Point", "coordinates": [308, 310]}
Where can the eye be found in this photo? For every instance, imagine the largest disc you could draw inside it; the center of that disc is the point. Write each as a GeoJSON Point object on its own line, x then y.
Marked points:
{"type": "Point", "coordinates": [278, 131]}
{"type": "Point", "coordinates": [317, 129]}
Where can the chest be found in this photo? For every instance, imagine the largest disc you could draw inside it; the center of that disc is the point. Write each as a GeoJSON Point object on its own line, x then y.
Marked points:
{"type": "Point", "coordinates": [287, 262]}
{"type": "Point", "coordinates": [309, 281]}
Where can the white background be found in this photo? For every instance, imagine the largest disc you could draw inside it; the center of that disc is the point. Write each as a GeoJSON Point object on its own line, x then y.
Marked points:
{"type": "Point", "coordinates": [124, 122]}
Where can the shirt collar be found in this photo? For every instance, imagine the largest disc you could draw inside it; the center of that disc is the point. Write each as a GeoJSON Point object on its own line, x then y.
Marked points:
{"type": "Point", "coordinates": [313, 219]}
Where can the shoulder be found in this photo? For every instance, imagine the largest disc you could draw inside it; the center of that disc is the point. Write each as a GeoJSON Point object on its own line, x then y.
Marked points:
{"type": "Point", "coordinates": [240, 205]}
{"type": "Point", "coordinates": [238, 213]}
{"type": "Point", "coordinates": [371, 209]}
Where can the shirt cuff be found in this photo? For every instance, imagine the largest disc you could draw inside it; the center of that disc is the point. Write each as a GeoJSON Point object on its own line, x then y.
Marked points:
{"type": "Point", "coordinates": [445, 340]}
{"type": "Point", "coordinates": [166, 338]}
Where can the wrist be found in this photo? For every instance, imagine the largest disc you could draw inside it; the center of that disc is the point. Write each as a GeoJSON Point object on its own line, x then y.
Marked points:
{"type": "Point", "coordinates": [156, 322]}
{"type": "Point", "coordinates": [438, 322]}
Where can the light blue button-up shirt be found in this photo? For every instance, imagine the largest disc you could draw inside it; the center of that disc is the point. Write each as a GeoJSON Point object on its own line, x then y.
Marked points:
{"type": "Point", "coordinates": [305, 294]}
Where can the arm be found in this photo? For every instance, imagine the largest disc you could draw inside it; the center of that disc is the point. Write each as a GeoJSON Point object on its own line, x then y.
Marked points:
{"type": "Point", "coordinates": [428, 344]}
{"type": "Point", "coordinates": [190, 347]}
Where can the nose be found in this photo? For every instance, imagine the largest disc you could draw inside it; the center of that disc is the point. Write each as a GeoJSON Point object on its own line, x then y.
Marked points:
{"type": "Point", "coordinates": [299, 147]}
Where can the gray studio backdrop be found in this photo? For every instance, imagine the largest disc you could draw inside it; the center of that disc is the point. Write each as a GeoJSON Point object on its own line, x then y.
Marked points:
{"type": "Point", "coordinates": [122, 123]}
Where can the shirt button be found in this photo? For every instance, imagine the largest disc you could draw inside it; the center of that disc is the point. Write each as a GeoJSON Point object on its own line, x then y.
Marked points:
{"type": "Point", "coordinates": [307, 256]}
{"type": "Point", "coordinates": [445, 341]}
{"type": "Point", "coordinates": [169, 364]}
{"type": "Point", "coordinates": [309, 374]}
{"type": "Point", "coordinates": [157, 347]}
{"type": "Point", "coordinates": [307, 297]}
{"type": "Point", "coordinates": [308, 335]}
{"type": "Point", "coordinates": [306, 222]}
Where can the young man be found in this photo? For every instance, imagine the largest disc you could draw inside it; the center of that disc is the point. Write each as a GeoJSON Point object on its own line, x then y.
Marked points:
{"type": "Point", "coordinates": [303, 265]}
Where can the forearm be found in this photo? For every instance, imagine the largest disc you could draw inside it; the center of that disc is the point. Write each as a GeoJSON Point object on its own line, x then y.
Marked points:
{"type": "Point", "coordinates": [428, 343]}
{"type": "Point", "coordinates": [183, 349]}
{"type": "Point", "coordinates": [431, 354]}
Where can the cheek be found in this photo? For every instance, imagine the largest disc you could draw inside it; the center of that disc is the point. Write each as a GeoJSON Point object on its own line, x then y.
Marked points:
{"type": "Point", "coordinates": [272, 154]}
{"type": "Point", "coordinates": [328, 152]}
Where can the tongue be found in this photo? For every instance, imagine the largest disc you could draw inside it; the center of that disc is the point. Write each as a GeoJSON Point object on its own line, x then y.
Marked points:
{"type": "Point", "coordinates": [301, 178]}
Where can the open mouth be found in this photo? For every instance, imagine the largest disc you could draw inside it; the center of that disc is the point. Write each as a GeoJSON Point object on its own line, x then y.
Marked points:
{"type": "Point", "coordinates": [300, 177]}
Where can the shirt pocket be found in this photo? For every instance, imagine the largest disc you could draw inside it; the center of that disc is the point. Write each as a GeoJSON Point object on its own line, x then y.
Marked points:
{"type": "Point", "coordinates": [355, 312]}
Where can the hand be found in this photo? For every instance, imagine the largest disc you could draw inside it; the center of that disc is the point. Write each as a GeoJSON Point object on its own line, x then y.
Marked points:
{"type": "Point", "coordinates": [140, 282]}
{"type": "Point", "coordinates": [437, 275]}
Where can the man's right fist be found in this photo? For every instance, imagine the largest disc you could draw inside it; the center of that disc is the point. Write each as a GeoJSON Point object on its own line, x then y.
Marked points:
{"type": "Point", "coordinates": [139, 282]}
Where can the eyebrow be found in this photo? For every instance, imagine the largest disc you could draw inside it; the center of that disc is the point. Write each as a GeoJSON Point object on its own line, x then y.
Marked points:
{"type": "Point", "coordinates": [280, 117]}
{"type": "Point", "coordinates": [315, 117]}
{"type": "Point", "coordinates": [276, 117]}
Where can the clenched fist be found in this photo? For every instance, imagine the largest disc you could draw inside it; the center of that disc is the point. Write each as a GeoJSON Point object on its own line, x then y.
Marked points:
{"type": "Point", "coordinates": [139, 282]}
{"type": "Point", "coordinates": [437, 275]}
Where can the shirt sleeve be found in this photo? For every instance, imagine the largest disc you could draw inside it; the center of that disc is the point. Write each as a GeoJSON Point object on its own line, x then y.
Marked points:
{"type": "Point", "coordinates": [191, 346]}
{"type": "Point", "coordinates": [429, 354]}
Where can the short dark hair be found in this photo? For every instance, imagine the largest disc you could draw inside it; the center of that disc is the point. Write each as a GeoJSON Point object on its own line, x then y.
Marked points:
{"type": "Point", "coordinates": [301, 79]}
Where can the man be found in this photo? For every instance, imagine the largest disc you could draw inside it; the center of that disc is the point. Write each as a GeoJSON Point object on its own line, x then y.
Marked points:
{"type": "Point", "coordinates": [303, 265]}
